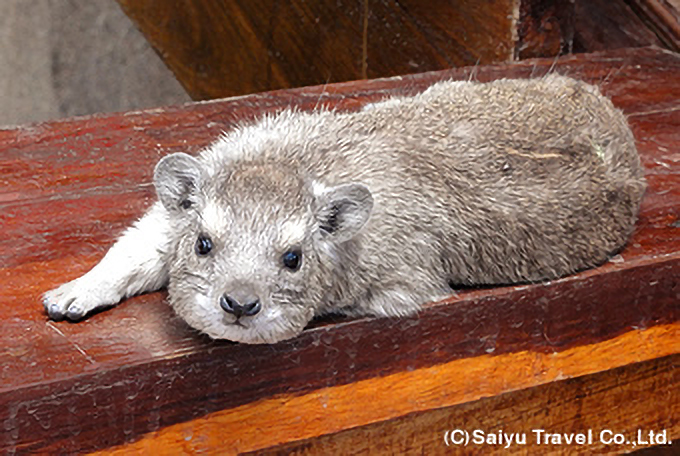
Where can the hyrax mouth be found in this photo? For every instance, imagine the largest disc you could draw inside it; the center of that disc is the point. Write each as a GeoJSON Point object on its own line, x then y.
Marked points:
{"type": "Point", "coordinates": [239, 323]}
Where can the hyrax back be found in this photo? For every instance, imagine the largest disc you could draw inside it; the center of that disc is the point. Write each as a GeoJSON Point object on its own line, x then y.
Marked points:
{"type": "Point", "coordinates": [379, 211]}
{"type": "Point", "coordinates": [517, 180]}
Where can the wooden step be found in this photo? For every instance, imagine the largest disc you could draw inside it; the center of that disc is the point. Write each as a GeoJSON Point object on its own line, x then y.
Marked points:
{"type": "Point", "coordinates": [137, 380]}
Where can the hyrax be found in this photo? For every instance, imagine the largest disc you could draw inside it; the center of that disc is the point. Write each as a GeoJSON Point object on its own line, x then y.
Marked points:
{"type": "Point", "coordinates": [378, 211]}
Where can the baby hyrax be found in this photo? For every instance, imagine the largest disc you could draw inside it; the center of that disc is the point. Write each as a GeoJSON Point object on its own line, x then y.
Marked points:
{"type": "Point", "coordinates": [378, 211]}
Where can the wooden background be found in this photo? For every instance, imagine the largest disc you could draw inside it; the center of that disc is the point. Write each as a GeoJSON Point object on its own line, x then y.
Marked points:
{"type": "Point", "coordinates": [219, 48]}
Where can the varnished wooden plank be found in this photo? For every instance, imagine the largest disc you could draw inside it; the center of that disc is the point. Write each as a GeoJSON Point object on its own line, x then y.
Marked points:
{"type": "Point", "coordinates": [100, 218]}
{"type": "Point", "coordinates": [231, 47]}
{"type": "Point", "coordinates": [137, 369]}
{"type": "Point", "coordinates": [630, 401]}
{"type": "Point", "coordinates": [548, 322]}
{"type": "Point", "coordinates": [328, 356]}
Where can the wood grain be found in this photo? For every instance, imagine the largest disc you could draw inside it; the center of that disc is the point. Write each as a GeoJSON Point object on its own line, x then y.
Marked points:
{"type": "Point", "coordinates": [136, 373]}
{"type": "Point", "coordinates": [333, 409]}
{"type": "Point", "coordinates": [631, 400]}
{"type": "Point", "coordinates": [231, 47]}
{"type": "Point", "coordinates": [661, 16]}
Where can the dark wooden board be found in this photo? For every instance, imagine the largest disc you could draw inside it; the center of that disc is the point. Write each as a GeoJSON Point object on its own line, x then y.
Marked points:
{"type": "Point", "coordinates": [549, 28]}
{"type": "Point", "coordinates": [231, 47]}
{"type": "Point", "coordinates": [136, 374]}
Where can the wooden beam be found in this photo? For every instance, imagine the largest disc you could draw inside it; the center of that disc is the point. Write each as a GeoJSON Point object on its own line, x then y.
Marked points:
{"type": "Point", "coordinates": [630, 401]}
{"type": "Point", "coordinates": [231, 47]}
{"type": "Point", "coordinates": [219, 48]}
{"type": "Point", "coordinates": [408, 406]}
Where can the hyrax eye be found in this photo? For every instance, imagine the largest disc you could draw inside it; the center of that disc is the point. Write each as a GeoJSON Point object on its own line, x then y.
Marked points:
{"type": "Point", "coordinates": [291, 259]}
{"type": "Point", "coordinates": [203, 245]}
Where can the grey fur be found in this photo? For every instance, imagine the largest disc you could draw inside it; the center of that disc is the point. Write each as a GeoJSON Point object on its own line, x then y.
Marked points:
{"type": "Point", "coordinates": [464, 184]}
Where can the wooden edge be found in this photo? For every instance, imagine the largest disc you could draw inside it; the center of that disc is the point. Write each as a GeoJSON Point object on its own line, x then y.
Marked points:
{"type": "Point", "coordinates": [584, 415]}
{"type": "Point", "coordinates": [286, 418]}
{"type": "Point", "coordinates": [123, 404]}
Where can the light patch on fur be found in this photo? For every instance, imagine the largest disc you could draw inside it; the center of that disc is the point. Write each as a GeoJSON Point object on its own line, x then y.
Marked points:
{"type": "Point", "coordinates": [387, 103]}
{"type": "Point", "coordinates": [318, 188]}
{"type": "Point", "coordinates": [442, 89]}
{"type": "Point", "coordinates": [271, 133]}
{"type": "Point", "coordinates": [396, 302]}
{"type": "Point", "coordinates": [272, 313]}
{"type": "Point", "coordinates": [241, 144]}
{"type": "Point", "coordinates": [599, 151]}
{"type": "Point", "coordinates": [292, 232]}
{"type": "Point", "coordinates": [214, 218]}
{"type": "Point", "coordinates": [138, 250]}
{"type": "Point", "coordinates": [462, 130]}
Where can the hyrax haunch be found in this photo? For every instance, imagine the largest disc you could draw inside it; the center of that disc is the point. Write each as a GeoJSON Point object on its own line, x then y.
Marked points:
{"type": "Point", "coordinates": [378, 211]}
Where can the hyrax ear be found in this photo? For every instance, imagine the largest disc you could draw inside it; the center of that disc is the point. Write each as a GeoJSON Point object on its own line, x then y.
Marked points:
{"type": "Point", "coordinates": [177, 179]}
{"type": "Point", "coordinates": [343, 210]}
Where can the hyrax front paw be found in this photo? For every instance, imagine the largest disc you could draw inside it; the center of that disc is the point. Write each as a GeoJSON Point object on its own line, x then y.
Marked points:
{"type": "Point", "coordinates": [75, 299]}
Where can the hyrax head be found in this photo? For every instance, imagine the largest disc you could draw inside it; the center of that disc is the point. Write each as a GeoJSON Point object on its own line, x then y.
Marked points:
{"type": "Point", "coordinates": [255, 246]}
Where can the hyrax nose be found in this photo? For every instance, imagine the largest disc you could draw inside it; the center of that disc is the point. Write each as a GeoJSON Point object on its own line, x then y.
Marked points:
{"type": "Point", "coordinates": [231, 305]}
